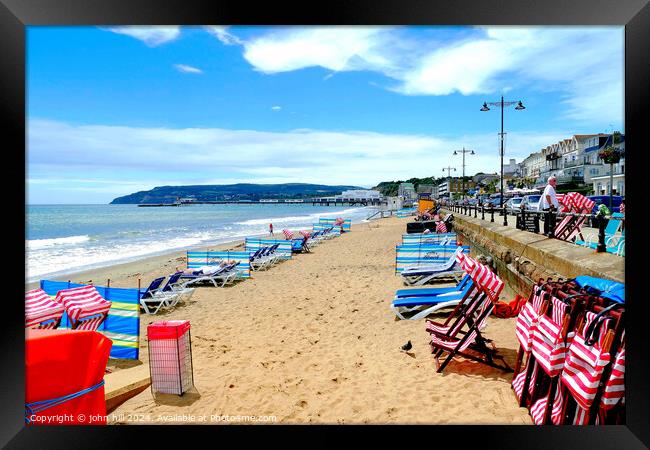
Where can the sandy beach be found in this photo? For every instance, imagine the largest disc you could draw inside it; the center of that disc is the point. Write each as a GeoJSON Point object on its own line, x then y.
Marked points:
{"type": "Point", "coordinates": [313, 340]}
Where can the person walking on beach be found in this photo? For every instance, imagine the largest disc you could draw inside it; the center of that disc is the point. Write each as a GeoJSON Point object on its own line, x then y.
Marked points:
{"type": "Point", "coordinates": [271, 229]}
{"type": "Point", "coordinates": [548, 203]}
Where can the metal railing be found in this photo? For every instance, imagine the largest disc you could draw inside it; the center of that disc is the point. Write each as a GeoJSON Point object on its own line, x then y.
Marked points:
{"type": "Point", "coordinates": [487, 212]}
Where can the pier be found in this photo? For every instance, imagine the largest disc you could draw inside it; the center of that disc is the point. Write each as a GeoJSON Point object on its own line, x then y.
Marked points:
{"type": "Point", "coordinates": [327, 201]}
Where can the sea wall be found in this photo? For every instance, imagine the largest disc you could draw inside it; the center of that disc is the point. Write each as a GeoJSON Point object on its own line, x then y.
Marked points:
{"type": "Point", "coordinates": [521, 257]}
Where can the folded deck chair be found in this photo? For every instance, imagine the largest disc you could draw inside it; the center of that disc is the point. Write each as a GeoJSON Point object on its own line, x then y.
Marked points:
{"type": "Point", "coordinates": [204, 274]}
{"type": "Point", "coordinates": [174, 290]}
{"type": "Point", "coordinates": [151, 300]}
{"type": "Point", "coordinates": [423, 305]}
{"type": "Point", "coordinates": [41, 311]}
{"type": "Point", "coordinates": [581, 377]}
{"type": "Point", "coordinates": [419, 274]}
{"type": "Point", "coordinates": [85, 308]}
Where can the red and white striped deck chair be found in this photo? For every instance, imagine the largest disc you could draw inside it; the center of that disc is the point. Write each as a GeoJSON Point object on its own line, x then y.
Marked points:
{"type": "Point", "coordinates": [569, 226]}
{"type": "Point", "coordinates": [287, 234]}
{"type": "Point", "coordinates": [304, 233]}
{"type": "Point", "coordinates": [525, 327]}
{"type": "Point", "coordinates": [614, 390]}
{"type": "Point", "coordinates": [441, 227]}
{"type": "Point", "coordinates": [549, 347]}
{"type": "Point", "coordinates": [457, 342]}
{"type": "Point", "coordinates": [86, 309]}
{"type": "Point", "coordinates": [41, 311]}
{"type": "Point", "coordinates": [583, 370]}
{"type": "Point", "coordinates": [467, 264]}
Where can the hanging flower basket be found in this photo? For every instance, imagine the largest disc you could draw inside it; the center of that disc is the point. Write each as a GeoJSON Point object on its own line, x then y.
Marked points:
{"type": "Point", "coordinates": [610, 155]}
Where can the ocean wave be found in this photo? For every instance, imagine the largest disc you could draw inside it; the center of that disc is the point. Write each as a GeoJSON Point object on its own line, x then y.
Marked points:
{"type": "Point", "coordinates": [35, 244]}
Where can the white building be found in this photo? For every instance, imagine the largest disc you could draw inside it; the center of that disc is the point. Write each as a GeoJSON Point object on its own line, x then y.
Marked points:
{"type": "Point", "coordinates": [359, 194]}
{"type": "Point", "coordinates": [406, 191]}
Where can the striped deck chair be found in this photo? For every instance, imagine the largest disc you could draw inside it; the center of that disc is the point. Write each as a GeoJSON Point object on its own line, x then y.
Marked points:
{"type": "Point", "coordinates": [455, 341]}
{"type": "Point", "coordinates": [549, 345]}
{"type": "Point", "coordinates": [525, 327]}
{"type": "Point", "coordinates": [41, 311]}
{"type": "Point", "coordinates": [287, 234]}
{"type": "Point", "coordinates": [614, 389]}
{"type": "Point", "coordinates": [586, 360]}
{"type": "Point", "coordinates": [86, 309]}
{"type": "Point", "coordinates": [569, 227]}
{"type": "Point", "coordinates": [441, 227]}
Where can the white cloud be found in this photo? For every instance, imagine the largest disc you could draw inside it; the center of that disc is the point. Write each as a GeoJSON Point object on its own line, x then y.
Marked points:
{"type": "Point", "coordinates": [583, 64]}
{"type": "Point", "coordinates": [334, 48]}
{"type": "Point", "coordinates": [224, 36]}
{"type": "Point", "coordinates": [150, 35]}
{"type": "Point", "coordinates": [187, 69]}
{"type": "Point", "coordinates": [276, 108]}
{"type": "Point", "coordinates": [161, 156]}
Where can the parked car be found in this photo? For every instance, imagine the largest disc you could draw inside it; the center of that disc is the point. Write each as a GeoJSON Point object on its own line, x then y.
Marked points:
{"type": "Point", "coordinates": [513, 206]}
{"type": "Point", "coordinates": [604, 200]}
{"type": "Point", "coordinates": [531, 202]}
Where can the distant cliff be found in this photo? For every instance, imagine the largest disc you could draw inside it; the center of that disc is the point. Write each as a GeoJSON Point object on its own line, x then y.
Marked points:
{"type": "Point", "coordinates": [241, 191]}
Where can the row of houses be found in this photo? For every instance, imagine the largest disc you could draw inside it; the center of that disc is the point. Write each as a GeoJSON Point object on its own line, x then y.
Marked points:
{"type": "Point", "coordinates": [575, 160]}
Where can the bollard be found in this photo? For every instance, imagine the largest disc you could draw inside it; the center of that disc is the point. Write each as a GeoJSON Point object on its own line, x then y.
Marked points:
{"type": "Point", "coordinates": [523, 218]}
{"type": "Point", "coordinates": [482, 212]}
{"type": "Point", "coordinates": [505, 217]}
{"type": "Point", "coordinates": [475, 211]}
{"type": "Point", "coordinates": [491, 213]}
{"type": "Point", "coordinates": [602, 223]}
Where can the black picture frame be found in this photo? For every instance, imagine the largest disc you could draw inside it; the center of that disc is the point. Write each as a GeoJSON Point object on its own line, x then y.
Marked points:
{"type": "Point", "coordinates": [15, 15]}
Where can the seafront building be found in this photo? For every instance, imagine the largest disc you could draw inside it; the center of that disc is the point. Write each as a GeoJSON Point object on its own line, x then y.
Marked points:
{"type": "Point", "coordinates": [575, 161]}
{"type": "Point", "coordinates": [407, 192]}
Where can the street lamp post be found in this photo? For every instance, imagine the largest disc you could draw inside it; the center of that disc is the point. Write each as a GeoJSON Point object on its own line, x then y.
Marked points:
{"type": "Point", "coordinates": [463, 151]}
{"type": "Point", "coordinates": [502, 105]}
{"type": "Point", "coordinates": [449, 169]}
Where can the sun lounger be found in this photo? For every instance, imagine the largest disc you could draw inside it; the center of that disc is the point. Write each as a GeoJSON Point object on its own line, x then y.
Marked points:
{"type": "Point", "coordinates": [151, 299]}
{"type": "Point", "coordinates": [419, 274]}
{"type": "Point", "coordinates": [85, 308]}
{"type": "Point", "coordinates": [205, 274]}
{"type": "Point", "coordinates": [424, 305]}
{"type": "Point", "coordinates": [41, 311]}
{"type": "Point", "coordinates": [174, 290]}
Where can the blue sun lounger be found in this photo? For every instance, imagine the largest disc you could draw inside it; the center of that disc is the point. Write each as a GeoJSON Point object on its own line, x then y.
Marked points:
{"type": "Point", "coordinates": [420, 274]}
{"type": "Point", "coordinates": [426, 292]}
{"type": "Point", "coordinates": [423, 305]}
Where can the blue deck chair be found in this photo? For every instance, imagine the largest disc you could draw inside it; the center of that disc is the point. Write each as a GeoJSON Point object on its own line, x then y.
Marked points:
{"type": "Point", "coordinates": [614, 243]}
{"type": "Point", "coordinates": [299, 246]}
{"type": "Point", "coordinates": [150, 300]}
{"type": "Point", "coordinates": [423, 305]}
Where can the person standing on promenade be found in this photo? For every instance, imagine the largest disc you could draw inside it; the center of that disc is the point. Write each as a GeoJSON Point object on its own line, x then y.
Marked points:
{"type": "Point", "coordinates": [548, 203]}
{"type": "Point", "coordinates": [271, 229]}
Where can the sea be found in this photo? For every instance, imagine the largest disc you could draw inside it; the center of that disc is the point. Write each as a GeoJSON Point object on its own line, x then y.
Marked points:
{"type": "Point", "coordinates": [66, 239]}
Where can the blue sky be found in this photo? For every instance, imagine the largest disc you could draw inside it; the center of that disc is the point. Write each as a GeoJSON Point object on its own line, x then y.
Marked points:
{"type": "Point", "coordinates": [116, 110]}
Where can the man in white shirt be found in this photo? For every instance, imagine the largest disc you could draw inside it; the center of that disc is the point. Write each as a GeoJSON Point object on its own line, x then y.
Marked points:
{"type": "Point", "coordinates": [548, 203]}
